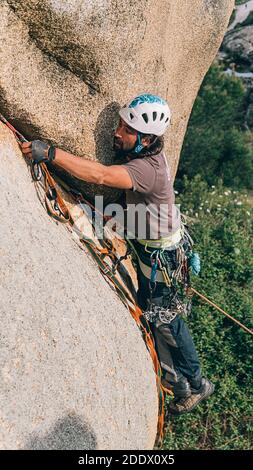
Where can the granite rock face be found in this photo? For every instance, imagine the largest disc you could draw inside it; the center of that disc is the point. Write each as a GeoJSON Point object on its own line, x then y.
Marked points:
{"type": "Point", "coordinates": [67, 66]}
{"type": "Point", "coordinates": [75, 371]}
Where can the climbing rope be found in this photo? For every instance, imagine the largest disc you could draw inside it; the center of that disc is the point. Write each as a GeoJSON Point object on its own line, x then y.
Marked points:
{"type": "Point", "coordinates": [194, 291]}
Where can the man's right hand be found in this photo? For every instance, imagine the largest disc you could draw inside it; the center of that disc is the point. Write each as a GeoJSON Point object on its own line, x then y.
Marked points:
{"type": "Point", "coordinates": [38, 151]}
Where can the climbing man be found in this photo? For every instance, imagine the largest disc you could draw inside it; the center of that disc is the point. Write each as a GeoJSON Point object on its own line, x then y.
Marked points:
{"type": "Point", "coordinates": [164, 255]}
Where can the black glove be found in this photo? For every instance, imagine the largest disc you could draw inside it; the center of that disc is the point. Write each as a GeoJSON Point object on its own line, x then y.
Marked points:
{"type": "Point", "coordinates": [42, 152]}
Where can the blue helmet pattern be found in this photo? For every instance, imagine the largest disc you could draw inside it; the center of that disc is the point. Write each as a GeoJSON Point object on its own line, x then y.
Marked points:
{"type": "Point", "coordinates": [146, 113]}
{"type": "Point", "coordinates": [146, 98]}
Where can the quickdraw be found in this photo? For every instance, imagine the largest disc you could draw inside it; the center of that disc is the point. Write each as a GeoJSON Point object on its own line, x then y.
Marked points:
{"type": "Point", "coordinates": [58, 210]}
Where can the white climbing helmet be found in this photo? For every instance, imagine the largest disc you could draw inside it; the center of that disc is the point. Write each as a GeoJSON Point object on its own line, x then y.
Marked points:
{"type": "Point", "coordinates": [148, 114]}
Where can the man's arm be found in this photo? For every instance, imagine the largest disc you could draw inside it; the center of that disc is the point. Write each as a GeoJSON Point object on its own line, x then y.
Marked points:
{"type": "Point", "coordinates": [92, 172]}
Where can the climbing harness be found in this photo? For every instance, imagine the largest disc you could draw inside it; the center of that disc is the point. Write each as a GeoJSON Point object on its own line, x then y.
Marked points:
{"type": "Point", "coordinates": [164, 242]}
{"type": "Point", "coordinates": [159, 270]}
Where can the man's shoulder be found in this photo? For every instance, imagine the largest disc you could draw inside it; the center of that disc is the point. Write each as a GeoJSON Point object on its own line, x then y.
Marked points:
{"type": "Point", "coordinates": [159, 160]}
{"type": "Point", "coordinates": [156, 161]}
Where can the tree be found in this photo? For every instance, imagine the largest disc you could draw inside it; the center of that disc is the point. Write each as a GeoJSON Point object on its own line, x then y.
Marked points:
{"type": "Point", "coordinates": [216, 144]}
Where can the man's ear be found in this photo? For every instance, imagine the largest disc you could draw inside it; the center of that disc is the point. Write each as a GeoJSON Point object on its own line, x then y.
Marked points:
{"type": "Point", "coordinates": [146, 140]}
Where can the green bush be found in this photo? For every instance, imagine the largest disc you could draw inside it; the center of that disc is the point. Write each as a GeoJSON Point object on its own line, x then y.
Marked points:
{"type": "Point", "coordinates": [239, 2]}
{"type": "Point", "coordinates": [221, 225]}
{"type": "Point", "coordinates": [216, 144]}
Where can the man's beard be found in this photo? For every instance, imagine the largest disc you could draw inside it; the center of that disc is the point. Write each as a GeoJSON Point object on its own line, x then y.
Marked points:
{"type": "Point", "coordinates": [120, 152]}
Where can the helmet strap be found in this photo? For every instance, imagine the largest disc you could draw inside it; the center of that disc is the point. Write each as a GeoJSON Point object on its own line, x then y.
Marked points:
{"type": "Point", "coordinates": [138, 146]}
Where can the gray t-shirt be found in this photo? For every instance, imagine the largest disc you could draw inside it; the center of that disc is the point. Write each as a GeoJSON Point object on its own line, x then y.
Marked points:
{"type": "Point", "coordinates": [153, 190]}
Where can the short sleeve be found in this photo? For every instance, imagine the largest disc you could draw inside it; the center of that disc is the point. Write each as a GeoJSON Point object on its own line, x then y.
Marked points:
{"type": "Point", "coordinates": [142, 174]}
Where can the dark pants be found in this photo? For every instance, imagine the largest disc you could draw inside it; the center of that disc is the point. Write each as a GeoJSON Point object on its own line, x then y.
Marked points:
{"type": "Point", "coordinates": [174, 345]}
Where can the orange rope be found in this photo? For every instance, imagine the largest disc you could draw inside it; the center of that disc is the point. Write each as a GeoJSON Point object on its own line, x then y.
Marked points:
{"type": "Point", "coordinates": [220, 309]}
